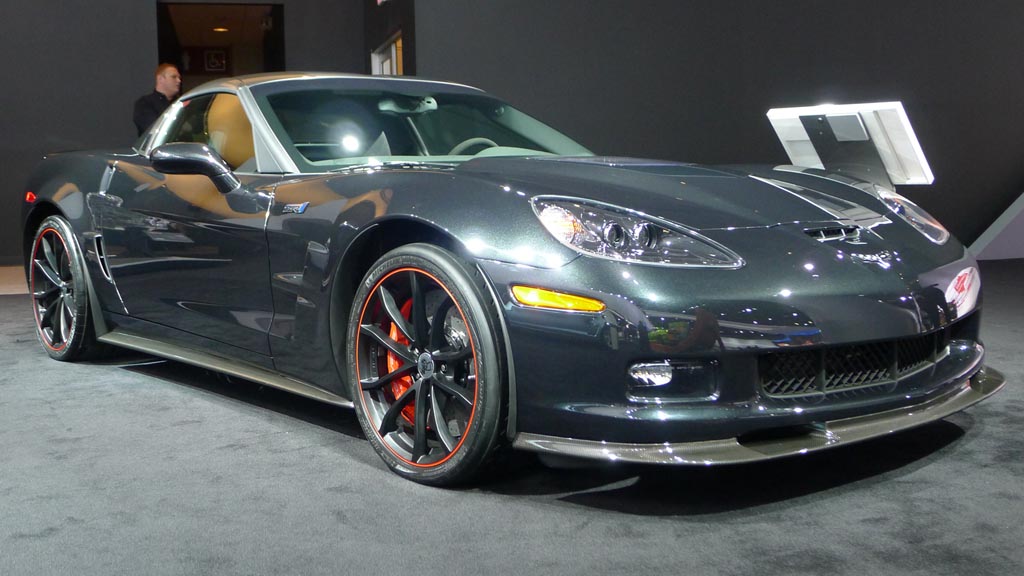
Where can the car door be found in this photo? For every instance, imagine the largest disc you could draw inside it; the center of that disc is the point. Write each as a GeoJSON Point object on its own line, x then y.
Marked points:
{"type": "Point", "coordinates": [183, 254]}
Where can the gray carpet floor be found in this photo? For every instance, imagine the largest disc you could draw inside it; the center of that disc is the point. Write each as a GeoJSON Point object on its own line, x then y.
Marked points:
{"type": "Point", "coordinates": [141, 466]}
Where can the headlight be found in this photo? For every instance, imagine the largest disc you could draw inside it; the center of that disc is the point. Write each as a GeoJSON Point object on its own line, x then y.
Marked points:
{"type": "Point", "coordinates": [616, 233]}
{"type": "Point", "coordinates": [924, 222]}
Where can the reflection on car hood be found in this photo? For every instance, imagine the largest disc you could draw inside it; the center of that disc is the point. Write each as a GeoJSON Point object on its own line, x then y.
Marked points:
{"type": "Point", "coordinates": [696, 196]}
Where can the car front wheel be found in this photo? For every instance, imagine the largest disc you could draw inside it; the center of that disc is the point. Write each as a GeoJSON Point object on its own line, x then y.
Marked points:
{"type": "Point", "coordinates": [425, 365]}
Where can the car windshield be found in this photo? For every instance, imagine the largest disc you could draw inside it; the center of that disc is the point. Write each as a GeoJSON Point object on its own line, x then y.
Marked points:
{"type": "Point", "coordinates": [328, 129]}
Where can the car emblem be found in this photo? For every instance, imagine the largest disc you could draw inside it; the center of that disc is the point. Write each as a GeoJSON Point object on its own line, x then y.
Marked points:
{"type": "Point", "coordinates": [294, 208]}
{"type": "Point", "coordinates": [425, 365]}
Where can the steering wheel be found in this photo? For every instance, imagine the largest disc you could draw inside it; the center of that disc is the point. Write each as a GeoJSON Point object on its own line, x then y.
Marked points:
{"type": "Point", "coordinates": [470, 142]}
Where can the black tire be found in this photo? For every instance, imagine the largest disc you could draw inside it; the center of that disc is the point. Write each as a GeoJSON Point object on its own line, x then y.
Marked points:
{"type": "Point", "coordinates": [425, 365]}
{"type": "Point", "coordinates": [60, 293]}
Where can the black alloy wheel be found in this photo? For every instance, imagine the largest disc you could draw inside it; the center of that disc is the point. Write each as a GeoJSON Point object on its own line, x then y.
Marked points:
{"type": "Point", "coordinates": [60, 296]}
{"type": "Point", "coordinates": [425, 367]}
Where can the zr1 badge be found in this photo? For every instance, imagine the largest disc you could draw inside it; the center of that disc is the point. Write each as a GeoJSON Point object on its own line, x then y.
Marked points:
{"type": "Point", "coordinates": [294, 208]}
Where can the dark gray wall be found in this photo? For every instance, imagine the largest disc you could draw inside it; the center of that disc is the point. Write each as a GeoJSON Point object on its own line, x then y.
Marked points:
{"type": "Point", "coordinates": [692, 79]}
{"type": "Point", "coordinates": [73, 70]}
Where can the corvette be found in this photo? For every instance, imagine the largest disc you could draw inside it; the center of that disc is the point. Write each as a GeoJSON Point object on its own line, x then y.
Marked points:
{"type": "Point", "coordinates": [467, 279]}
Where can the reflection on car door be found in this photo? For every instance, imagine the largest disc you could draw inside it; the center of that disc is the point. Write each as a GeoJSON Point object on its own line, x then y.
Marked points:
{"type": "Point", "coordinates": [181, 253]}
{"type": "Point", "coordinates": [182, 257]}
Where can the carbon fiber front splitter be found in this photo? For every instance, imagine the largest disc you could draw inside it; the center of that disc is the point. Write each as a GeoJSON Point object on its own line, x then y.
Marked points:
{"type": "Point", "coordinates": [829, 434]}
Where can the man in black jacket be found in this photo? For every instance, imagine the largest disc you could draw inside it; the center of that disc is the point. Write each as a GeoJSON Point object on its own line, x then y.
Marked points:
{"type": "Point", "coordinates": [149, 107]}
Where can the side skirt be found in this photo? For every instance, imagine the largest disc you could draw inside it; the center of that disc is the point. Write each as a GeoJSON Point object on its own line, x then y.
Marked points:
{"type": "Point", "coordinates": [119, 337]}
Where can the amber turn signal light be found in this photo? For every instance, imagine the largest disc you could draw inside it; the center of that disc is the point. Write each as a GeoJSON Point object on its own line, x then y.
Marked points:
{"type": "Point", "coordinates": [541, 298]}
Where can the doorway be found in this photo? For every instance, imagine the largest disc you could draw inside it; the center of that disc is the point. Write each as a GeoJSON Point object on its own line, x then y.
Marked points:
{"type": "Point", "coordinates": [387, 59]}
{"type": "Point", "coordinates": [209, 41]}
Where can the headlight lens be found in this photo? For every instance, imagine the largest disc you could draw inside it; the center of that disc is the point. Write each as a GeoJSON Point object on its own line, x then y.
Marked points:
{"type": "Point", "coordinates": [915, 215]}
{"type": "Point", "coordinates": [616, 233]}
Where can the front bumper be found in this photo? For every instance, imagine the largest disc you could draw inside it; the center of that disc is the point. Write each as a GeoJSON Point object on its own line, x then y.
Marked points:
{"type": "Point", "coordinates": [819, 436]}
{"type": "Point", "coordinates": [734, 338]}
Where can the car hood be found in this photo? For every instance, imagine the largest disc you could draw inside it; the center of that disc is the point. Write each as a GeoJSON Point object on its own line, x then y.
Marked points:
{"type": "Point", "coordinates": [699, 197]}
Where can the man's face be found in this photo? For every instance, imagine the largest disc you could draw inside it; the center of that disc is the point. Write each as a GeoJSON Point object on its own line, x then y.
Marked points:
{"type": "Point", "coordinates": [169, 82]}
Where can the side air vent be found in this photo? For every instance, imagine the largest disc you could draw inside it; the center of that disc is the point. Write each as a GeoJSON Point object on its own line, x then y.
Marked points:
{"type": "Point", "coordinates": [832, 233]}
{"type": "Point", "coordinates": [101, 256]}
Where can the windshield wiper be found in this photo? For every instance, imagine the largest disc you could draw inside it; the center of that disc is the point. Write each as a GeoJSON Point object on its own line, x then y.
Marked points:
{"type": "Point", "coordinates": [410, 164]}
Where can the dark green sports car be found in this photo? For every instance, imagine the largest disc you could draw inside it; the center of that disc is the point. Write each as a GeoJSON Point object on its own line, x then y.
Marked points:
{"type": "Point", "coordinates": [468, 278]}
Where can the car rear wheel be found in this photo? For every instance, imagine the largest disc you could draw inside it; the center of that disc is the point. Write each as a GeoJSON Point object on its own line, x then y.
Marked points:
{"type": "Point", "coordinates": [60, 293]}
{"type": "Point", "coordinates": [424, 365]}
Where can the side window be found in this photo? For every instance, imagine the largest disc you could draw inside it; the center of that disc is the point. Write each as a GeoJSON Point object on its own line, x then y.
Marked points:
{"type": "Point", "coordinates": [190, 125]}
{"type": "Point", "coordinates": [219, 121]}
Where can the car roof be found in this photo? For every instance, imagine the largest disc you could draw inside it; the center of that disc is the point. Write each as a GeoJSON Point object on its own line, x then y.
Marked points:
{"type": "Point", "coordinates": [346, 81]}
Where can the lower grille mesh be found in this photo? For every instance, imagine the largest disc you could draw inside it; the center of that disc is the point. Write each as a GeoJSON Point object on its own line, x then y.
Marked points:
{"type": "Point", "coordinates": [842, 368]}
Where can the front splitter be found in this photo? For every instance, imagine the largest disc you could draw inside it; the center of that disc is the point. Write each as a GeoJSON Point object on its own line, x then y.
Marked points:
{"type": "Point", "coordinates": [831, 434]}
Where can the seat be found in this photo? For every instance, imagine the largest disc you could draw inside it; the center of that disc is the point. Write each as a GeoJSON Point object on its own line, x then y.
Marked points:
{"type": "Point", "coordinates": [229, 130]}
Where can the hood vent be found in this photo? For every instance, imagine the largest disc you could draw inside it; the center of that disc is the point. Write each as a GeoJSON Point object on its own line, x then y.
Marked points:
{"type": "Point", "coordinates": [834, 233]}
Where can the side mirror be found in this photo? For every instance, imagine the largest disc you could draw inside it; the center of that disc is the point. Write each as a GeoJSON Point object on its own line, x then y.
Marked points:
{"type": "Point", "coordinates": [193, 158]}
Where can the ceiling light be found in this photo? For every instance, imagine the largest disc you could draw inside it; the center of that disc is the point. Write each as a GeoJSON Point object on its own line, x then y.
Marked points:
{"type": "Point", "coordinates": [220, 29]}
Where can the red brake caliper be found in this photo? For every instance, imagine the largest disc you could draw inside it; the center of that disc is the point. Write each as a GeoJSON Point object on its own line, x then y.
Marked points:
{"type": "Point", "coordinates": [400, 385]}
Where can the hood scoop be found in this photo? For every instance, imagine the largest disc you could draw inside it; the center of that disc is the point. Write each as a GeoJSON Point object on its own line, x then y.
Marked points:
{"type": "Point", "coordinates": [835, 233]}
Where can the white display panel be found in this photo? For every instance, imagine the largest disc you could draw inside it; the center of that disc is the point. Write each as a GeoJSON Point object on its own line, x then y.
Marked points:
{"type": "Point", "coordinates": [884, 124]}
